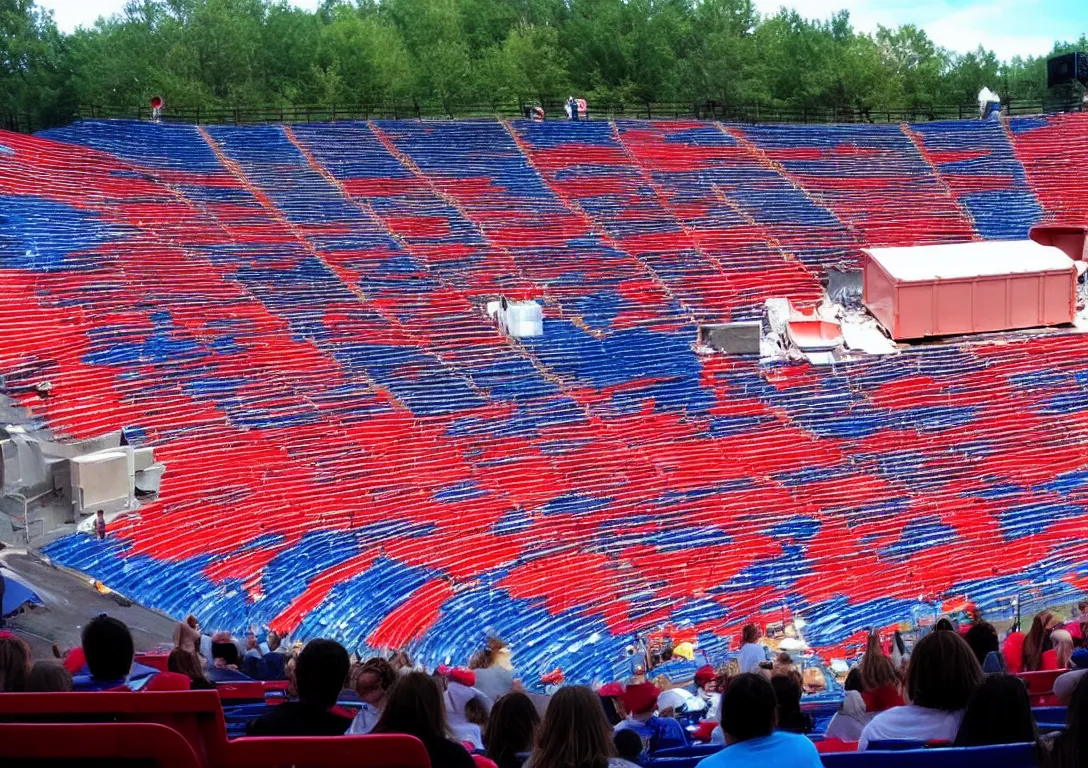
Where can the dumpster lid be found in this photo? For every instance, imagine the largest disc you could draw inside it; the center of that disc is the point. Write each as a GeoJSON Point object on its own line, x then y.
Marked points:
{"type": "Point", "coordinates": [966, 260]}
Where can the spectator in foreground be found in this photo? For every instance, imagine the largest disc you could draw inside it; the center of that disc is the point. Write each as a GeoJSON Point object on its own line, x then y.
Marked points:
{"type": "Point", "coordinates": [999, 712]}
{"type": "Point", "coordinates": [752, 653]}
{"type": "Point", "coordinates": [628, 745]}
{"type": "Point", "coordinates": [748, 721]}
{"type": "Point", "coordinates": [575, 733]}
{"type": "Point", "coordinates": [414, 706]}
{"type": "Point", "coordinates": [852, 717]}
{"type": "Point", "coordinates": [1069, 748]}
{"type": "Point", "coordinates": [640, 703]}
{"type": "Point", "coordinates": [186, 662]}
{"type": "Point", "coordinates": [1065, 685]}
{"type": "Point", "coordinates": [109, 654]}
{"type": "Point", "coordinates": [372, 685]}
{"type": "Point", "coordinates": [787, 692]}
{"type": "Point", "coordinates": [320, 672]}
{"type": "Point", "coordinates": [941, 678]}
{"type": "Point", "coordinates": [982, 638]}
{"type": "Point", "coordinates": [48, 677]}
{"type": "Point", "coordinates": [511, 729]}
{"type": "Point", "coordinates": [1037, 642]}
{"type": "Point", "coordinates": [14, 663]}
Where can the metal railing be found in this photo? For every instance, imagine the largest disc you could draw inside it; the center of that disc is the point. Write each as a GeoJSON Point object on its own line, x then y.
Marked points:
{"type": "Point", "coordinates": [703, 110]}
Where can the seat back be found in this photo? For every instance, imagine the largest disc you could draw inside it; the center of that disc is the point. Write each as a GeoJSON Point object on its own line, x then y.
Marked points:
{"type": "Point", "coordinates": [375, 751]}
{"type": "Point", "coordinates": [85, 744]}
{"type": "Point", "coordinates": [1041, 686]}
{"type": "Point", "coordinates": [196, 715]}
{"type": "Point", "coordinates": [1004, 756]}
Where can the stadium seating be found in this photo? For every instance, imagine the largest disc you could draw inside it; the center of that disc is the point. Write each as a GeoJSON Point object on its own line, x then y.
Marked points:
{"type": "Point", "coordinates": [384, 751]}
{"type": "Point", "coordinates": [100, 744]}
{"type": "Point", "coordinates": [295, 317]}
{"type": "Point", "coordinates": [196, 716]}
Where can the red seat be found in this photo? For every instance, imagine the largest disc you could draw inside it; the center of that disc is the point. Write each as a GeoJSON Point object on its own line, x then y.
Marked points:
{"type": "Point", "coordinates": [79, 742]}
{"type": "Point", "coordinates": [1041, 686]}
{"type": "Point", "coordinates": [155, 660]}
{"type": "Point", "coordinates": [835, 745]}
{"type": "Point", "coordinates": [196, 715]}
{"type": "Point", "coordinates": [377, 751]}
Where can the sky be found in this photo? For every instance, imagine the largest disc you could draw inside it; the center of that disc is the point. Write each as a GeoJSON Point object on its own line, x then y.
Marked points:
{"type": "Point", "coordinates": [1008, 27]}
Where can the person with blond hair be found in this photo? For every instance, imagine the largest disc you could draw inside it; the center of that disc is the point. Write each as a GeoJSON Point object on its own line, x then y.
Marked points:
{"type": "Point", "coordinates": [1061, 651]}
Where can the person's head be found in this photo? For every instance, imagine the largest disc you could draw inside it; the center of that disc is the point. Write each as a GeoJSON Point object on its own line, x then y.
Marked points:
{"type": "Point", "coordinates": [877, 671]}
{"type": "Point", "coordinates": [476, 712]}
{"type": "Point", "coordinates": [574, 731]}
{"type": "Point", "coordinates": [108, 648]}
{"type": "Point", "coordinates": [943, 672]}
{"type": "Point", "coordinates": [706, 678]}
{"type": "Point", "coordinates": [853, 681]}
{"type": "Point", "coordinates": [185, 662]}
{"type": "Point", "coordinates": [48, 677]}
{"type": "Point", "coordinates": [490, 654]}
{"type": "Point", "coordinates": [628, 744]}
{"type": "Point", "coordinates": [101, 514]}
{"type": "Point", "coordinates": [982, 638]}
{"type": "Point", "coordinates": [999, 712]}
{"type": "Point", "coordinates": [401, 662]}
{"type": "Point", "coordinates": [750, 633]}
{"type": "Point", "coordinates": [640, 699]}
{"type": "Point", "coordinates": [320, 672]}
{"type": "Point", "coordinates": [1037, 641]}
{"type": "Point", "coordinates": [376, 677]}
{"type": "Point", "coordinates": [944, 625]}
{"type": "Point", "coordinates": [272, 640]}
{"type": "Point", "coordinates": [1082, 606]}
{"type": "Point", "coordinates": [511, 726]}
{"type": "Point", "coordinates": [787, 692]}
{"type": "Point", "coordinates": [748, 708]}
{"type": "Point", "coordinates": [1062, 643]}
{"type": "Point", "coordinates": [251, 641]}
{"type": "Point", "coordinates": [414, 706]}
{"type": "Point", "coordinates": [14, 663]}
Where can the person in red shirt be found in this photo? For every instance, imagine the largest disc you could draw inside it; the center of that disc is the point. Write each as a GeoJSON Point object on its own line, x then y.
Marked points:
{"type": "Point", "coordinates": [880, 681]}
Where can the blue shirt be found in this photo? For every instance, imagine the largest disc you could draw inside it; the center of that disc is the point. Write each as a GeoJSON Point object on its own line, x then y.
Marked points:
{"type": "Point", "coordinates": [779, 749]}
{"type": "Point", "coordinates": [657, 732]}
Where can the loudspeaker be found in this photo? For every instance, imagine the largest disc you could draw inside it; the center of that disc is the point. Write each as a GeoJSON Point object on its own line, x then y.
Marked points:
{"type": "Point", "coordinates": [1064, 69]}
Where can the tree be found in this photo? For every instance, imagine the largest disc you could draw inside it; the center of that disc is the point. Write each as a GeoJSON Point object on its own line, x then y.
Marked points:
{"type": "Point", "coordinates": [32, 71]}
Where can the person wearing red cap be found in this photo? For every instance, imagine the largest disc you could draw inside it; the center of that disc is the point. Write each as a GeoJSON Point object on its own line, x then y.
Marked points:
{"type": "Point", "coordinates": [640, 704]}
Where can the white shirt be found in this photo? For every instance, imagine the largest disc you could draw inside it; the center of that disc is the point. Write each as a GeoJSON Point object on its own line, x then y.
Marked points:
{"type": "Point", "coordinates": [364, 721]}
{"type": "Point", "coordinates": [750, 657]}
{"type": "Point", "coordinates": [911, 723]}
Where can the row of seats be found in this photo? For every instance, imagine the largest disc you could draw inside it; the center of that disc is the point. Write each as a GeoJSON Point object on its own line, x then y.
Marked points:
{"type": "Point", "coordinates": [295, 318]}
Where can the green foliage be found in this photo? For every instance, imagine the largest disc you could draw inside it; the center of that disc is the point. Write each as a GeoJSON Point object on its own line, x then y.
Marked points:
{"type": "Point", "coordinates": [446, 53]}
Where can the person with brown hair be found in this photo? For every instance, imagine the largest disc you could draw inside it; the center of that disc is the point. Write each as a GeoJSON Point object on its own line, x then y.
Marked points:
{"type": "Point", "coordinates": [999, 712]}
{"type": "Point", "coordinates": [752, 653]}
{"type": "Point", "coordinates": [494, 669]}
{"type": "Point", "coordinates": [880, 681]}
{"type": "Point", "coordinates": [48, 677]}
{"type": "Point", "coordinates": [1037, 641]}
{"type": "Point", "coordinates": [376, 676]}
{"type": "Point", "coordinates": [511, 729]}
{"type": "Point", "coordinates": [942, 676]}
{"type": "Point", "coordinates": [414, 706]}
{"type": "Point", "coordinates": [14, 663]}
{"type": "Point", "coordinates": [575, 733]}
{"type": "Point", "coordinates": [186, 662]}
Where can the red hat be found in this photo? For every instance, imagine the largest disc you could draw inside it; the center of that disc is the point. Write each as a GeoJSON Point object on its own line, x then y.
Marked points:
{"type": "Point", "coordinates": [640, 698]}
{"type": "Point", "coordinates": [463, 676]}
{"type": "Point", "coordinates": [704, 675]}
{"type": "Point", "coordinates": [611, 690]}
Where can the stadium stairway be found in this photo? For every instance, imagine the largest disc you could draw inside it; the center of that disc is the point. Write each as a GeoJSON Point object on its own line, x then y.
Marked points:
{"type": "Point", "coordinates": [294, 317]}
